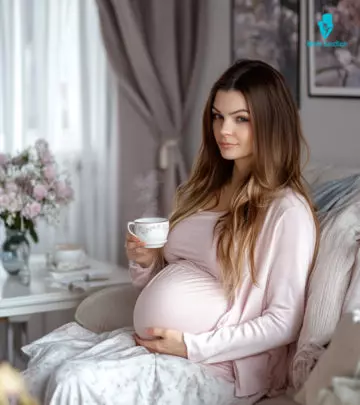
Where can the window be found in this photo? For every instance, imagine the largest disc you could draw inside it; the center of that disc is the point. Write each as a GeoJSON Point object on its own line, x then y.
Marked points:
{"type": "Point", "coordinates": [40, 71]}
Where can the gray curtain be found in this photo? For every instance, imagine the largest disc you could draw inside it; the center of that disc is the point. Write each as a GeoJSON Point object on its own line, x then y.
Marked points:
{"type": "Point", "coordinates": [156, 50]}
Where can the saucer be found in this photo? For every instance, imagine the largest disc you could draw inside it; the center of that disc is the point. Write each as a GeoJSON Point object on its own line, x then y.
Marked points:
{"type": "Point", "coordinates": [155, 245]}
{"type": "Point", "coordinates": [65, 267]}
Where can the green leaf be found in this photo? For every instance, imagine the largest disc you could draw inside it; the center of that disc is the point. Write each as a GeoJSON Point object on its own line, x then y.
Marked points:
{"type": "Point", "coordinates": [34, 235]}
{"type": "Point", "coordinates": [28, 226]}
{"type": "Point", "coordinates": [17, 222]}
{"type": "Point", "coordinates": [32, 231]}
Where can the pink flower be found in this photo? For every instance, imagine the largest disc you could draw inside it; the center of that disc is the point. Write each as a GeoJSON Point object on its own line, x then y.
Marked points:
{"type": "Point", "coordinates": [63, 191]}
{"type": "Point", "coordinates": [11, 187]}
{"type": "Point", "coordinates": [45, 157]}
{"type": "Point", "coordinates": [49, 172]}
{"type": "Point", "coordinates": [15, 202]}
{"type": "Point", "coordinates": [31, 210]}
{"type": "Point", "coordinates": [4, 202]}
{"type": "Point", "coordinates": [39, 192]}
{"type": "Point", "coordinates": [3, 159]}
{"type": "Point", "coordinates": [11, 202]}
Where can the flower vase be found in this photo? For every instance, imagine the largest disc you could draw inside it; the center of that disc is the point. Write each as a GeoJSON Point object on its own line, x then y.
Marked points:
{"type": "Point", "coordinates": [15, 253]}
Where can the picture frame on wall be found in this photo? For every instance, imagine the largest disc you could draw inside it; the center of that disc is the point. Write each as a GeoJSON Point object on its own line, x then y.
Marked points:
{"type": "Point", "coordinates": [333, 48]}
{"type": "Point", "coordinates": [269, 30]}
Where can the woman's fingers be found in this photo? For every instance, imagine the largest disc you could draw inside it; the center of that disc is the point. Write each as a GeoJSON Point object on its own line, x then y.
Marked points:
{"type": "Point", "coordinates": [136, 250]}
{"type": "Point", "coordinates": [132, 238]}
{"type": "Point", "coordinates": [133, 242]}
{"type": "Point", "coordinates": [132, 245]}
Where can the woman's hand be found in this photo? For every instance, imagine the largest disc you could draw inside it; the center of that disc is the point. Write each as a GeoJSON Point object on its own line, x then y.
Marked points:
{"type": "Point", "coordinates": [167, 341]}
{"type": "Point", "coordinates": [136, 251]}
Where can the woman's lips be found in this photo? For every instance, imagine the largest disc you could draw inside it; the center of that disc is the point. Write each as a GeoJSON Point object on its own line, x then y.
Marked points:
{"type": "Point", "coordinates": [227, 145]}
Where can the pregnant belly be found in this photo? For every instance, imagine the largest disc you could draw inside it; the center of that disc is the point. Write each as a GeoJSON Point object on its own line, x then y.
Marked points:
{"type": "Point", "coordinates": [181, 297]}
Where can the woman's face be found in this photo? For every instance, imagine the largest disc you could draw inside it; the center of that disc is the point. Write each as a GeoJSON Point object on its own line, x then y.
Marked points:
{"type": "Point", "coordinates": [231, 125]}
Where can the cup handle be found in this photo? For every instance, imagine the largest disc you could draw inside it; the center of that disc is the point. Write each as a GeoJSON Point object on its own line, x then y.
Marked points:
{"type": "Point", "coordinates": [130, 227]}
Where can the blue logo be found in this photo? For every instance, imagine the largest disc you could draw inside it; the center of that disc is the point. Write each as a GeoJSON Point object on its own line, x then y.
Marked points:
{"type": "Point", "coordinates": [326, 25]}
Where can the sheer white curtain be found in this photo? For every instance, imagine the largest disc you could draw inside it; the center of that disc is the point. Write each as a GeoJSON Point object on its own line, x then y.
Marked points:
{"type": "Point", "coordinates": [55, 83]}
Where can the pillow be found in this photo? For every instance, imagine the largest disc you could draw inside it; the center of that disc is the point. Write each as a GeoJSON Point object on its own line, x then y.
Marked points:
{"type": "Point", "coordinates": [108, 309]}
{"type": "Point", "coordinates": [352, 299]}
{"type": "Point", "coordinates": [316, 173]}
{"type": "Point", "coordinates": [328, 287]}
{"type": "Point", "coordinates": [340, 359]}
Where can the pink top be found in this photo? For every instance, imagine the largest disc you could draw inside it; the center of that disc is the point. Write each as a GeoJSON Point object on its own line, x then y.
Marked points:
{"type": "Point", "coordinates": [248, 340]}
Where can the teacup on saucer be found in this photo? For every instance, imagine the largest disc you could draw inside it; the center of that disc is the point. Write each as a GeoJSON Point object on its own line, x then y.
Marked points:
{"type": "Point", "coordinates": [68, 257]}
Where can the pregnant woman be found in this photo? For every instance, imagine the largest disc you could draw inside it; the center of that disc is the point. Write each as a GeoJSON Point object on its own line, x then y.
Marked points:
{"type": "Point", "coordinates": [222, 303]}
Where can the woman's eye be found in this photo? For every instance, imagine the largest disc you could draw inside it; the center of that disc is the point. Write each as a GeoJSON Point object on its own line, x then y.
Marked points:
{"type": "Point", "coordinates": [216, 116]}
{"type": "Point", "coordinates": [242, 119]}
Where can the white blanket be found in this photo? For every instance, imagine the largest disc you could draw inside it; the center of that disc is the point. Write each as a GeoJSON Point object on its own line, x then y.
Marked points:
{"type": "Point", "coordinates": [72, 365]}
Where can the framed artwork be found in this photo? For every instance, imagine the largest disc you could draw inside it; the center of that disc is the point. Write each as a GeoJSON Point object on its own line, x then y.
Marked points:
{"type": "Point", "coordinates": [333, 48]}
{"type": "Point", "coordinates": [269, 30]}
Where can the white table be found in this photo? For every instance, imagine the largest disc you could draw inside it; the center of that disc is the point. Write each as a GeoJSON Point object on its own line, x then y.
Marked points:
{"type": "Point", "coordinates": [17, 299]}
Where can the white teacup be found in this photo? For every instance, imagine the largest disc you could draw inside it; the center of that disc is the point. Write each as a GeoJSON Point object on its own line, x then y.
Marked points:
{"type": "Point", "coordinates": [69, 255]}
{"type": "Point", "coordinates": [152, 231]}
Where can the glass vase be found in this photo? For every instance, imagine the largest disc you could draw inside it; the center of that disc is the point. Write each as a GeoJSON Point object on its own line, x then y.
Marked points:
{"type": "Point", "coordinates": [15, 253]}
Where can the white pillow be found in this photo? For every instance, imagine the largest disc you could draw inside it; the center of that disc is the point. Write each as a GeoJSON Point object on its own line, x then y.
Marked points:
{"type": "Point", "coordinates": [352, 299]}
{"type": "Point", "coordinates": [328, 287]}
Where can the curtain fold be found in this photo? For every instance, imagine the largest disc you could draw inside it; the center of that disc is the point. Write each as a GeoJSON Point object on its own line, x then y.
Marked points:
{"type": "Point", "coordinates": [156, 50]}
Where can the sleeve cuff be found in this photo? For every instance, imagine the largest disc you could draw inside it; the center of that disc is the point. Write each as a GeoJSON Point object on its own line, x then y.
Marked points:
{"type": "Point", "coordinates": [192, 346]}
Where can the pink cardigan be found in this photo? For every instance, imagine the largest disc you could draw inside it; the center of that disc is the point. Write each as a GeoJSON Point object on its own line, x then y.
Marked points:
{"type": "Point", "coordinates": [264, 320]}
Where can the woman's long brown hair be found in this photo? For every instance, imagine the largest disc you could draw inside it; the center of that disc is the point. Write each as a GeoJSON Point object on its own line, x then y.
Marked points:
{"type": "Point", "coordinates": [277, 159]}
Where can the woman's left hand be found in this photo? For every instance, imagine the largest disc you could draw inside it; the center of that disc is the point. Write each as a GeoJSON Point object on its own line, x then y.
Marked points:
{"type": "Point", "coordinates": [167, 341]}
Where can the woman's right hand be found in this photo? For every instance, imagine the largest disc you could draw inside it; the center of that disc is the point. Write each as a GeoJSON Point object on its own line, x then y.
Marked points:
{"type": "Point", "coordinates": [136, 251]}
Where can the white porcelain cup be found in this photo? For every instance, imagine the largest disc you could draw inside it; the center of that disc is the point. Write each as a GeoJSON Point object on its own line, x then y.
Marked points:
{"type": "Point", "coordinates": [152, 231]}
{"type": "Point", "coordinates": [70, 255]}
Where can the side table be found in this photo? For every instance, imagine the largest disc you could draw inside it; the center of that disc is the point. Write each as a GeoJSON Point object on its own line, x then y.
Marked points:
{"type": "Point", "coordinates": [18, 300]}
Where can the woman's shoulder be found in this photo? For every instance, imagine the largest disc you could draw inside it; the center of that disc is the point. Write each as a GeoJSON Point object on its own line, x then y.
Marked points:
{"type": "Point", "coordinates": [291, 203]}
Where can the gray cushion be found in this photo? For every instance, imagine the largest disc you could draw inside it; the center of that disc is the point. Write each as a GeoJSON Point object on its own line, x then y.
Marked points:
{"type": "Point", "coordinates": [108, 309]}
{"type": "Point", "coordinates": [316, 173]}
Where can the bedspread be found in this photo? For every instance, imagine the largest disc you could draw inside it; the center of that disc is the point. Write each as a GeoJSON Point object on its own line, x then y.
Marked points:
{"type": "Point", "coordinates": [73, 365]}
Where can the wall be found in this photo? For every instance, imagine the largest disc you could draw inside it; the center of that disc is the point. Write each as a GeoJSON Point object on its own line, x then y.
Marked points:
{"type": "Point", "coordinates": [331, 125]}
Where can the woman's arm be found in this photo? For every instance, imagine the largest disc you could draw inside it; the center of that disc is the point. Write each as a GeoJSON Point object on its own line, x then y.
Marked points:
{"type": "Point", "coordinates": [290, 255]}
{"type": "Point", "coordinates": [140, 276]}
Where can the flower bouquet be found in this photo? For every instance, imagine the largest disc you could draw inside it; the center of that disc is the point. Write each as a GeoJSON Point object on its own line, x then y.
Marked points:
{"type": "Point", "coordinates": [31, 187]}
{"type": "Point", "coordinates": [12, 387]}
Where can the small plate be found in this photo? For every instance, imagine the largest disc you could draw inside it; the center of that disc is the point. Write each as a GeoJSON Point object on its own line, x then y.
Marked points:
{"type": "Point", "coordinates": [69, 267]}
{"type": "Point", "coordinates": [155, 245]}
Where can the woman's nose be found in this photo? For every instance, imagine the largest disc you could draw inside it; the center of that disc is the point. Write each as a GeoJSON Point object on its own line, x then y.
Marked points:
{"type": "Point", "coordinates": [226, 127]}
